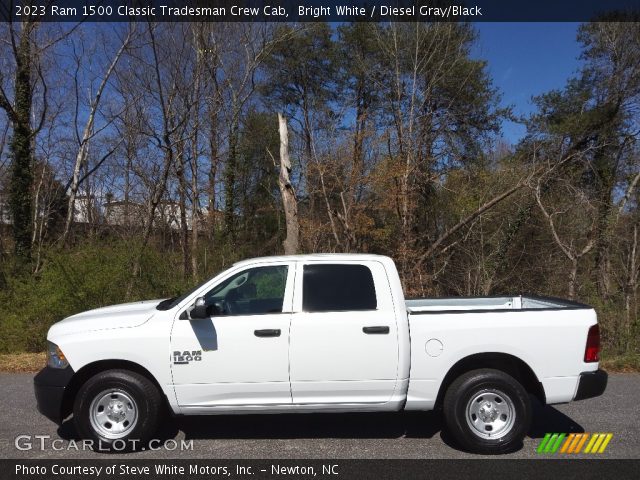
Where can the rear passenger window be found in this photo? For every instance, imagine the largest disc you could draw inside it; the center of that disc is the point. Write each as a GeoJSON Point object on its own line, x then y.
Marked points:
{"type": "Point", "coordinates": [335, 287]}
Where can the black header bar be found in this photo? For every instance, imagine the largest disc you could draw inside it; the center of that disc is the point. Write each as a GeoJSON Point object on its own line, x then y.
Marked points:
{"type": "Point", "coordinates": [318, 10]}
{"type": "Point", "coordinates": [210, 469]}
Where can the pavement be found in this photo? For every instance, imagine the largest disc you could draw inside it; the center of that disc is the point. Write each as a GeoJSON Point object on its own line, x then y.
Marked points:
{"type": "Point", "coordinates": [320, 436]}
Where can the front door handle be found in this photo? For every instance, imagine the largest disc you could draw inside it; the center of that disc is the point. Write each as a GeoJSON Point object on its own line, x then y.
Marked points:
{"type": "Point", "coordinates": [376, 330]}
{"type": "Point", "coordinates": [268, 332]}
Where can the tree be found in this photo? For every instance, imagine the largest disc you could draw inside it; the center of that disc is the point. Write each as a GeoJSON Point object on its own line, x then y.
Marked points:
{"type": "Point", "coordinates": [256, 189]}
{"type": "Point", "coordinates": [440, 110]}
{"type": "Point", "coordinates": [596, 113]}
{"type": "Point", "coordinates": [357, 60]}
{"type": "Point", "coordinates": [301, 81]}
{"type": "Point", "coordinates": [235, 52]}
{"type": "Point", "coordinates": [89, 131]}
{"type": "Point", "coordinates": [21, 145]}
{"type": "Point", "coordinates": [612, 54]}
{"type": "Point", "coordinates": [291, 242]}
{"type": "Point", "coordinates": [300, 73]}
{"type": "Point", "coordinates": [157, 88]}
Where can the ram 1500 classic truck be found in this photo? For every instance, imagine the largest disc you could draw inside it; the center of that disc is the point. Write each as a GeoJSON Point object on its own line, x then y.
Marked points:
{"type": "Point", "coordinates": [319, 333]}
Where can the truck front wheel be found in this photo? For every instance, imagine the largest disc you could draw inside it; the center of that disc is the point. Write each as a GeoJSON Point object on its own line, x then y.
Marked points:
{"type": "Point", "coordinates": [118, 410]}
{"type": "Point", "coordinates": [487, 411]}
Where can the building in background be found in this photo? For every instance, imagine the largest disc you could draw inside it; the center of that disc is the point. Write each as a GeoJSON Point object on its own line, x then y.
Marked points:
{"type": "Point", "coordinates": [86, 210]}
{"type": "Point", "coordinates": [124, 213]}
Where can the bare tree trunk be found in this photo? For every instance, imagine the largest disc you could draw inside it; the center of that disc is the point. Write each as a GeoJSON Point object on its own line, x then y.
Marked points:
{"type": "Point", "coordinates": [182, 203]}
{"type": "Point", "coordinates": [213, 172]}
{"type": "Point", "coordinates": [633, 270]}
{"type": "Point", "coordinates": [567, 248]}
{"type": "Point", "coordinates": [87, 134]}
{"type": "Point", "coordinates": [193, 159]}
{"type": "Point", "coordinates": [291, 242]}
{"type": "Point", "coordinates": [195, 216]}
{"type": "Point", "coordinates": [230, 178]}
{"type": "Point", "coordinates": [357, 166]}
{"type": "Point", "coordinates": [127, 189]}
{"type": "Point", "coordinates": [36, 207]}
{"type": "Point", "coordinates": [38, 221]}
{"type": "Point", "coordinates": [573, 276]}
{"type": "Point", "coordinates": [195, 206]}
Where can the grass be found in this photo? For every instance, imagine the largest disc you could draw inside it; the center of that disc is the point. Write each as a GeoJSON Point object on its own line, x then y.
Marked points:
{"type": "Point", "coordinates": [622, 363]}
{"type": "Point", "coordinates": [32, 362]}
{"type": "Point", "coordinates": [22, 362]}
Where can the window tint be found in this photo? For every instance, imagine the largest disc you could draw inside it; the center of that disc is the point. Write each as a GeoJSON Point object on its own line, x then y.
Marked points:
{"type": "Point", "coordinates": [329, 287]}
{"type": "Point", "coordinates": [251, 292]}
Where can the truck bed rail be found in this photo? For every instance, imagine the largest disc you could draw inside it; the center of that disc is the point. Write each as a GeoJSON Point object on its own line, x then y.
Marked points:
{"type": "Point", "coordinates": [498, 303]}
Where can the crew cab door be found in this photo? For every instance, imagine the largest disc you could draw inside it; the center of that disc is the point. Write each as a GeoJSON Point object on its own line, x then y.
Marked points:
{"type": "Point", "coordinates": [344, 337]}
{"type": "Point", "coordinates": [240, 354]}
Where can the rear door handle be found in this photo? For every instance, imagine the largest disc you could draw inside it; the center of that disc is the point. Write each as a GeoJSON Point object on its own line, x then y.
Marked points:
{"type": "Point", "coordinates": [268, 332]}
{"type": "Point", "coordinates": [376, 330]}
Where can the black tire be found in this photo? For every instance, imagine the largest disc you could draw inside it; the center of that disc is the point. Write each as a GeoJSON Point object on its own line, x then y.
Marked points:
{"type": "Point", "coordinates": [125, 385]}
{"type": "Point", "coordinates": [507, 406]}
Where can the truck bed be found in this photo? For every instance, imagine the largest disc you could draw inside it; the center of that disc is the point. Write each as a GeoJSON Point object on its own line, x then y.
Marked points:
{"type": "Point", "coordinates": [519, 302]}
{"type": "Point", "coordinates": [547, 334]}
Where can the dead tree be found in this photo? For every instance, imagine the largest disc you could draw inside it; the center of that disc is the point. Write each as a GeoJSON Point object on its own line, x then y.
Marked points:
{"type": "Point", "coordinates": [291, 242]}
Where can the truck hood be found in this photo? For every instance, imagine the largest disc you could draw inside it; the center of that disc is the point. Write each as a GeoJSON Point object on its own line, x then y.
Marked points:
{"type": "Point", "coordinates": [124, 315]}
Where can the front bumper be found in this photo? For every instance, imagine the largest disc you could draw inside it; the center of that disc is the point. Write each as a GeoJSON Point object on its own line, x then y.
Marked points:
{"type": "Point", "coordinates": [49, 385]}
{"type": "Point", "coordinates": [591, 384]}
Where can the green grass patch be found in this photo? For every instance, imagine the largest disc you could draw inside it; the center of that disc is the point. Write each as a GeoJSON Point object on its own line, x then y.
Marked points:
{"type": "Point", "coordinates": [22, 362]}
{"type": "Point", "coordinates": [627, 363]}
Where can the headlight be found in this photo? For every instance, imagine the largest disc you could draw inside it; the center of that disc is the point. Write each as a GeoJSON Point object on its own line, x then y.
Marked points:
{"type": "Point", "coordinates": [55, 357]}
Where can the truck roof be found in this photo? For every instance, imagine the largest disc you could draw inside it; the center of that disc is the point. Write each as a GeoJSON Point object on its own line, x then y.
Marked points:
{"type": "Point", "coordinates": [314, 256]}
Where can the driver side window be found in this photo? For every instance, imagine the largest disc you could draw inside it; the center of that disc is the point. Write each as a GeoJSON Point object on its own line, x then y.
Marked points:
{"type": "Point", "coordinates": [255, 291]}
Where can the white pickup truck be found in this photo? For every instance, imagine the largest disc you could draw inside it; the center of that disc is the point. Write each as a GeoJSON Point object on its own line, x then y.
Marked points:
{"type": "Point", "coordinates": [319, 333]}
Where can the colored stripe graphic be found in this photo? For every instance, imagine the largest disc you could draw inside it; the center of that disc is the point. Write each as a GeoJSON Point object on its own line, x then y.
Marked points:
{"type": "Point", "coordinates": [567, 442]}
{"type": "Point", "coordinates": [558, 442]}
{"type": "Point", "coordinates": [607, 439]}
{"type": "Point", "coordinates": [543, 443]}
{"type": "Point", "coordinates": [591, 442]}
{"type": "Point", "coordinates": [550, 443]}
{"type": "Point", "coordinates": [574, 442]}
{"type": "Point", "coordinates": [581, 443]}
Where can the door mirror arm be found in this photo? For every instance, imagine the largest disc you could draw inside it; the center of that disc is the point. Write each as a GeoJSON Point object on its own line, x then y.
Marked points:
{"type": "Point", "coordinates": [198, 311]}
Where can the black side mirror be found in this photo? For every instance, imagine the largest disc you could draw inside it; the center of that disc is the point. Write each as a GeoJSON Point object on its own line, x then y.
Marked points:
{"type": "Point", "coordinates": [199, 310]}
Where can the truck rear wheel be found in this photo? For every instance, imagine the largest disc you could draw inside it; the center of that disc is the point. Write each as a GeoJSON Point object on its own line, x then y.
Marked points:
{"type": "Point", "coordinates": [118, 410]}
{"type": "Point", "coordinates": [487, 411]}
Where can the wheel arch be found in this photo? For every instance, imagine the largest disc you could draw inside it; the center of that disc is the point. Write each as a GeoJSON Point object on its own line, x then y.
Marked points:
{"type": "Point", "coordinates": [93, 368]}
{"type": "Point", "coordinates": [504, 362]}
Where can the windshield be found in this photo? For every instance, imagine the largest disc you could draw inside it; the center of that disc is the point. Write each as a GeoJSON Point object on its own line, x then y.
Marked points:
{"type": "Point", "coordinates": [169, 303]}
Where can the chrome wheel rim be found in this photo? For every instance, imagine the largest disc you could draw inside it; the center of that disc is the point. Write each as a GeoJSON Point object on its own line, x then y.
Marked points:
{"type": "Point", "coordinates": [491, 414]}
{"type": "Point", "coordinates": [113, 413]}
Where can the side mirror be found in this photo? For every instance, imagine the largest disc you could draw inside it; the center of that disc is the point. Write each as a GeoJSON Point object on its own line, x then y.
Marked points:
{"type": "Point", "coordinates": [199, 310]}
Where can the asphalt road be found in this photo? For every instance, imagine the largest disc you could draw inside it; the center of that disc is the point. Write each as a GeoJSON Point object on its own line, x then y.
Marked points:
{"type": "Point", "coordinates": [398, 435]}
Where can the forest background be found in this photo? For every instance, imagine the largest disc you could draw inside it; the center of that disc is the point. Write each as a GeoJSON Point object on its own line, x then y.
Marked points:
{"type": "Point", "coordinates": [137, 159]}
